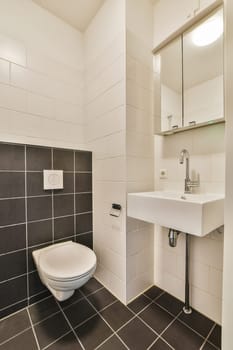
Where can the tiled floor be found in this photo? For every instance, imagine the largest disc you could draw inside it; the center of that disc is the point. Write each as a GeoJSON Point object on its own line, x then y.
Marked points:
{"type": "Point", "coordinates": [94, 319]}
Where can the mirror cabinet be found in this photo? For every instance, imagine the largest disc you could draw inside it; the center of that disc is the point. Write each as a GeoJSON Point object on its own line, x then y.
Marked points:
{"type": "Point", "coordinates": [188, 89]}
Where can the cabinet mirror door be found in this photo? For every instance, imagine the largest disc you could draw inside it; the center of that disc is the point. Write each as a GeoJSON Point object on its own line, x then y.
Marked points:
{"type": "Point", "coordinates": [170, 58]}
{"type": "Point", "coordinates": [203, 71]}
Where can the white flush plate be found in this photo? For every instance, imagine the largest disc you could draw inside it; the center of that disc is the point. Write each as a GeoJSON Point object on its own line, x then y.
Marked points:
{"type": "Point", "coordinates": [53, 179]}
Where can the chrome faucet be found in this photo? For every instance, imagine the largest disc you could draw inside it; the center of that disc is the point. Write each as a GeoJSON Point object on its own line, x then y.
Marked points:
{"type": "Point", "coordinates": [188, 184]}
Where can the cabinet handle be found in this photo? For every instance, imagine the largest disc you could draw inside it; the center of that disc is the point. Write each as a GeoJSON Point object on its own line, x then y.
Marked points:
{"type": "Point", "coordinates": [193, 122]}
{"type": "Point", "coordinates": [174, 126]}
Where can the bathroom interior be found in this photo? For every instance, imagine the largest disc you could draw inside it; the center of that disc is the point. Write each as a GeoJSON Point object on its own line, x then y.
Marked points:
{"type": "Point", "coordinates": [116, 168]}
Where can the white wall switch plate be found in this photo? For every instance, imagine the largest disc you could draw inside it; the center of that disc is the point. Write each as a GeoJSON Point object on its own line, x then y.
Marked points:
{"type": "Point", "coordinates": [53, 179]}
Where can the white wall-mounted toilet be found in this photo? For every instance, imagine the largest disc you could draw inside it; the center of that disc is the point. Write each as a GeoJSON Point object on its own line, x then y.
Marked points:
{"type": "Point", "coordinates": [64, 267]}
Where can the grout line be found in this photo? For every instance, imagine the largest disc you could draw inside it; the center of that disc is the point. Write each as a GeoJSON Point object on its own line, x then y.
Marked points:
{"type": "Point", "coordinates": [165, 329]}
{"type": "Point", "coordinates": [33, 330]}
{"type": "Point", "coordinates": [46, 318]}
{"type": "Point", "coordinates": [39, 301]}
{"type": "Point", "coordinates": [13, 278]}
{"type": "Point", "coordinates": [67, 320]}
{"type": "Point", "coordinates": [55, 341]}
{"type": "Point", "coordinates": [206, 339]}
{"type": "Point", "coordinates": [50, 194]}
{"type": "Point", "coordinates": [76, 301]}
{"type": "Point", "coordinates": [185, 324]}
{"type": "Point", "coordinates": [74, 179]}
{"type": "Point", "coordinates": [41, 171]}
{"type": "Point", "coordinates": [99, 314]}
{"type": "Point", "coordinates": [45, 219]}
{"type": "Point", "coordinates": [26, 220]}
{"type": "Point", "coordinates": [15, 335]}
{"type": "Point", "coordinates": [52, 199]}
{"type": "Point", "coordinates": [8, 306]}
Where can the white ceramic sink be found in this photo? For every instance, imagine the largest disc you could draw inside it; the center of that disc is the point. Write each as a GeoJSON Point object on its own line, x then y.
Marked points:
{"type": "Point", "coordinates": [196, 214]}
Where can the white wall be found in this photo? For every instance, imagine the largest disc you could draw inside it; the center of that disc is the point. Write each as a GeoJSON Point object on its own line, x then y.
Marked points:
{"type": "Point", "coordinates": [105, 135]}
{"type": "Point", "coordinates": [41, 77]}
{"type": "Point", "coordinates": [227, 340]}
{"type": "Point", "coordinates": [139, 140]}
{"type": "Point", "coordinates": [207, 158]}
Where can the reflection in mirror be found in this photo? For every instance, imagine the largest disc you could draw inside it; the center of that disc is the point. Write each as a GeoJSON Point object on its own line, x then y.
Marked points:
{"type": "Point", "coordinates": [171, 85]}
{"type": "Point", "coordinates": [203, 71]}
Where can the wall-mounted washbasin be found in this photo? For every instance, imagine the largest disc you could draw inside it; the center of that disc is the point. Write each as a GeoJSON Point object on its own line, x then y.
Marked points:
{"type": "Point", "coordinates": [196, 214]}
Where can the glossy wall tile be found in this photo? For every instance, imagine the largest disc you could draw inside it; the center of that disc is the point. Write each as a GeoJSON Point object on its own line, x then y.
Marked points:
{"type": "Point", "coordinates": [31, 218]}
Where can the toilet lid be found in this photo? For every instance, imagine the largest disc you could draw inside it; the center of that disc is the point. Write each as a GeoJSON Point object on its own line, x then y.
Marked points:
{"type": "Point", "coordinates": [66, 261]}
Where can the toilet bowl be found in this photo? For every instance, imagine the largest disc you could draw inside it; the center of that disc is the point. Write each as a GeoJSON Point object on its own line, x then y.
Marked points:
{"type": "Point", "coordinates": [64, 267]}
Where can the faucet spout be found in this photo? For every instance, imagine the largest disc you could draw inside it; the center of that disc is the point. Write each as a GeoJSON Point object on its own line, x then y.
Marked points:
{"type": "Point", "coordinates": [184, 154]}
{"type": "Point", "coordinates": [188, 184]}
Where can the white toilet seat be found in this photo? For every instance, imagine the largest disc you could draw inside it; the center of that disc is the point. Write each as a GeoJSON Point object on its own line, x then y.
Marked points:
{"type": "Point", "coordinates": [64, 267]}
{"type": "Point", "coordinates": [66, 261]}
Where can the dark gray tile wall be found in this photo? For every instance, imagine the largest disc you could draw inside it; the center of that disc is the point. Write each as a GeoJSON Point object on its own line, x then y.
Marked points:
{"type": "Point", "coordinates": [31, 218]}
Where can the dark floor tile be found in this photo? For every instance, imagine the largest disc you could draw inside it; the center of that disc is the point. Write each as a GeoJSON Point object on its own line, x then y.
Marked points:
{"type": "Point", "coordinates": [63, 205]}
{"type": "Point", "coordinates": [117, 315]}
{"type": "Point", "coordinates": [63, 159]}
{"type": "Point", "coordinates": [38, 158]}
{"type": "Point", "coordinates": [208, 346]}
{"type": "Point", "coordinates": [113, 343]}
{"type": "Point", "coordinates": [79, 312]}
{"type": "Point", "coordinates": [51, 329]}
{"type": "Point", "coordinates": [12, 184]}
{"type": "Point", "coordinates": [83, 161]}
{"type": "Point", "coordinates": [198, 322]}
{"type": "Point", "coordinates": [83, 182]}
{"type": "Point", "coordinates": [35, 185]}
{"type": "Point", "coordinates": [140, 303]}
{"type": "Point", "coordinates": [39, 232]}
{"type": "Point", "coordinates": [68, 184]}
{"type": "Point", "coordinates": [75, 297]}
{"type": "Point", "coordinates": [101, 299]}
{"type": "Point", "coordinates": [161, 345]}
{"type": "Point", "coordinates": [215, 336]}
{"type": "Point", "coordinates": [153, 292]}
{"type": "Point", "coordinates": [83, 202]}
{"type": "Point", "coordinates": [23, 341]}
{"type": "Point", "coordinates": [12, 211]}
{"type": "Point", "coordinates": [85, 239]}
{"type": "Point", "coordinates": [83, 223]}
{"type": "Point", "coordinates": [170, 303]}
{"type": "Point", "coordinates": [39, 297]}
{"type": "Point", "coordinates": [12, 238]}
{"type": "Point", "coordinates": [93, 332]}
{"type": "Point", "coordinates": [136, 335]}
{"type": "Point", "coordinates": [63, 227]}
{"type": "Point", "coordinates": [68, 342]}
{"type": "Point", "coordinates": [13, 291]}
{"type": "Point", "coordinates": [181, 337]}
{"type": "Point", "coordinates": [13, 265]}
{"type": "Point", "coordinates": [91, 286]}
{"type": "Point", "coordinates": [35, 284]}
{"type": "Point", "coordinates": [156, 318]}
{"type": "Point", "coordinates": [39, 208]}
{"type": "Point", "coordinates": [13, 308]}
{"type": "Point", "coordinates": [11, 157]}
{"type": "Point", "coordinates": [43, 309]}
{"type": "Point", "coordinates": [13, 325]}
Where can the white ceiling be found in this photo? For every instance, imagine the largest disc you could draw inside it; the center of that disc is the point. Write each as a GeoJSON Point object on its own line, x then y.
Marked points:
{"type": "Point", "coordinates": [78, 13]}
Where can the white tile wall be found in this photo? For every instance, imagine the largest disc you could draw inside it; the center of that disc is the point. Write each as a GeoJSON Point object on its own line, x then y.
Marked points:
{"type": "Point", "coordinates": [106, 137]}
{"type": "Point", "coordinates": [139, 142]}
{"type": "Point", "coordinates": [41, 95]}
{"type": "Point", "coordinates": [207, 158]}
